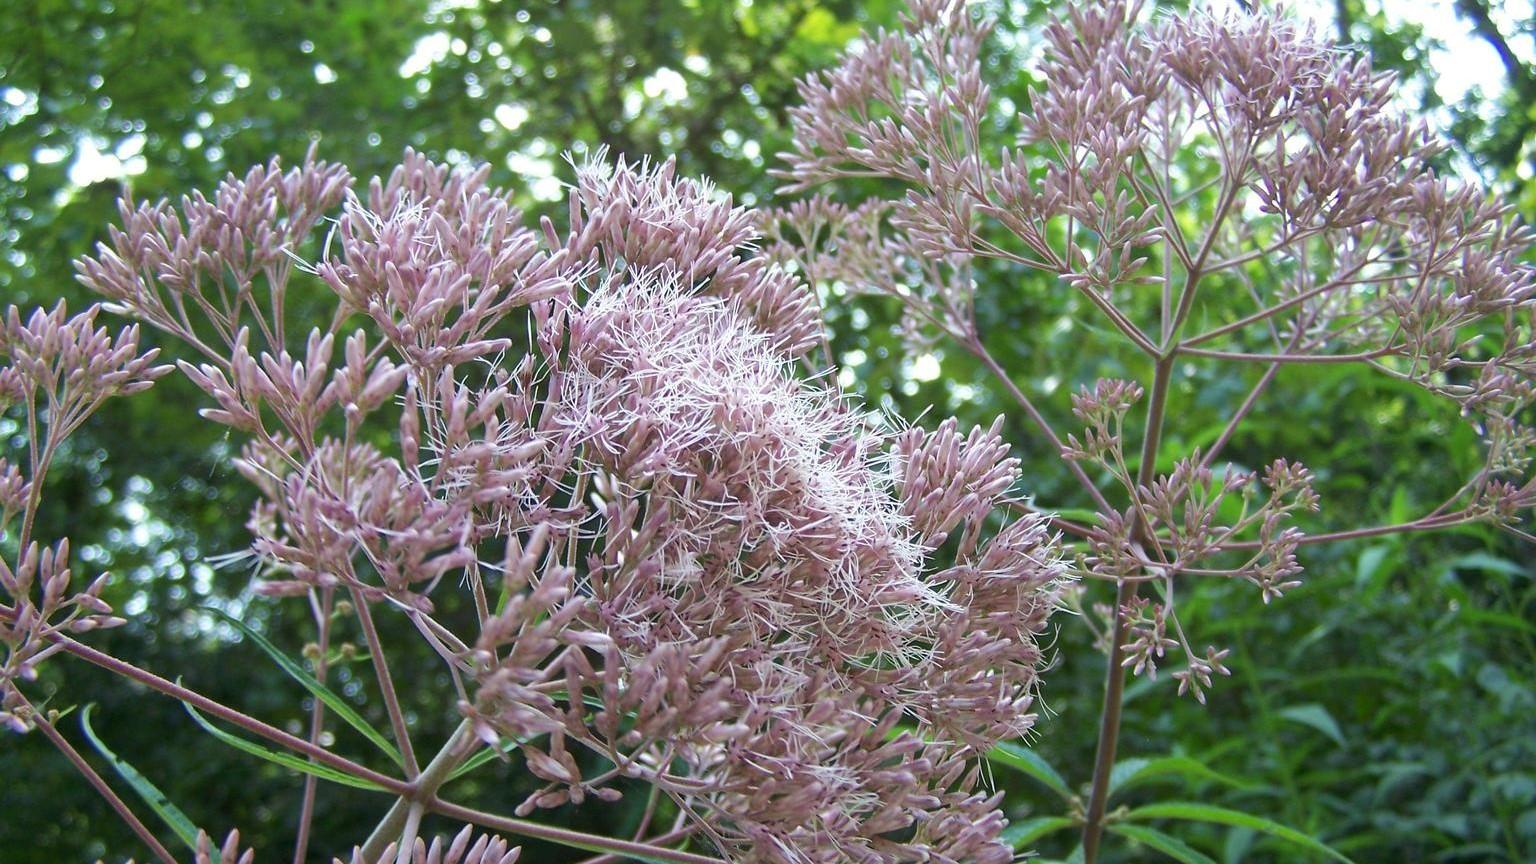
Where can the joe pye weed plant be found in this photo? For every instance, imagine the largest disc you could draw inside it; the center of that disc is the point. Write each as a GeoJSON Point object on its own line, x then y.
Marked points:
{"type": "Point", "coordinates": [694, 571]}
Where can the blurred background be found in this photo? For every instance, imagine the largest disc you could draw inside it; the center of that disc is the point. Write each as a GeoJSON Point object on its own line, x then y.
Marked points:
{"type": "Point", "coordinates": [1386, 707]}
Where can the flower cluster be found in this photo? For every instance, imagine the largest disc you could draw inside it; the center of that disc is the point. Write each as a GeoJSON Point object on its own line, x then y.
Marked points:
{"type": "Point", "coordinates": [601, 473]}
{"type": "Point", "coordinates": [57, 370]}
{"type": "Point", "coordinates": [684, 556]}
{"type": "Point", "coordinates": [744, 555]}
{"type": "Point", "coordinates": [466, 847]}
{"type": "Point", "coordinates": [1229, 169]}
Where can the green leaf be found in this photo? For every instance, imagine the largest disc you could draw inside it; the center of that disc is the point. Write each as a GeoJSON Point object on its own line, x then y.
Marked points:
{"type": "Point", "coordinates": [286, 760]}
{"type": "Point", "coordinates": [1021, 834]}
{"type": "Point", "coordinates": [1193, 812]}
{"type": "Point", "coordinates": [1396, 776]}
{"type": "Point", "coordinates": [1489, 563]}
{"type": "Point", "coordinates": [1473, 615]}
{"type": "Point", "coordinates": [331, 699]}
{"type": "Point", "coordinates": [1075, 858]}
{"type": "Point", "coordinates": [1317, 717]}
{"type": "Point", "coordinates": [486, 754]}
{"type": "Point", "coordinates": [1167, 844]}
{"type": "Point", "coordinates": [1401, 510]}
{"type": "Point", "coordinates": [1239, 842]}
{"type": "Point", "coordinates": [1133, 771]}
{"type": "Point", "coordinates": [1369, 563]}
{"type": "Point", "coordinates": [1079, 515]}
{"type": "Point", "coordinates": [1125, 771]}
{"type": "Point", "coordinates": [169, 813]}
{"type": "Point", "coordinates": [1023, 759]}
{"type": "Point", "coordinates": [1356, 675]}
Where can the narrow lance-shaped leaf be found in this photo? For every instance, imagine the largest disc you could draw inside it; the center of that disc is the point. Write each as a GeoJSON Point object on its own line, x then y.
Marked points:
{"type": "Point", "coordinates": [331, 698]}
{"type": "Point", "coordinates": [169, 813]}
{"type": "Point", "coordinates": [1131, 772]}
{"type": "Point", "coordinates": [286, 760]}
{"type": "Point", "coordinates": [1318, 718]}
{"type": "Point", "coordinates": [1167, 844]}
{"type": "Point", "coordinates": [1193, 812]}
{"type": "Point", "coordinates": [1021, 835]}
{"type": "Point", "coordinates": [1023, 759]}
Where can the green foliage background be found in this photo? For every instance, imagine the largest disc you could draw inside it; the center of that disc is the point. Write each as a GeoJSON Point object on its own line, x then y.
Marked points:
{"type": "Point", "coordinates": [1386, 707]}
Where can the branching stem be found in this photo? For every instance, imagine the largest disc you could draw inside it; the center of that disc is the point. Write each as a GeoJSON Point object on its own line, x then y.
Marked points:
{"type": "Point", "coordinates": [974, 345]}
{"type": "Point", "coordinates": [386, 683]}
{"type": "Point", "coordinates": [567, 837]}
{"type": "Point", "coordinates": [1114, 684]}
{"type": "Point", "coordinates": [316, 724]}
{"type": "Point", "coordinates": [437, 772]}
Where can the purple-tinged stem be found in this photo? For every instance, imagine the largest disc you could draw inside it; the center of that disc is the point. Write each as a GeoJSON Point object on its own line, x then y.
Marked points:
{"type": "Point", "coordinates": [567, 837]}
{"type": "Point", "coordinates": [316, 727]}
{"type": "Point", "coordinates": [386, 683]}
{"type": "Point", "coordinates": [408, 835]}
{"type": "Point", "coordinates": [224, 712]}
{"type": "Point", "coordinates": [101, 786]}
{"type": "Point", "coordinates": [1239, 415]}
{"type": "Point", "coordinates": [1246, 357]}
{"type": "Point", "coordinates": [426, 784]}
{"type": "Point", "coordinates": [1122, 323]}
{"type": "Point", "coordinates": [615, 858]}
{"type": "Point", "coordinates": [1114, 684]}
{"type": "Point", "coordinates": [1262, 314]}
{"type": "Point", "coordinates": [1426, 524]}
{"type": "Point", "coordinates": [976, 348]}
{"type": "Point", "coordinates": [1076, 529]}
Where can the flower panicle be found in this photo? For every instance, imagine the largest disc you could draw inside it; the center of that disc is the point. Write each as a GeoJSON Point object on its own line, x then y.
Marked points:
{"type": "Point", "coordinates": [714, 571]}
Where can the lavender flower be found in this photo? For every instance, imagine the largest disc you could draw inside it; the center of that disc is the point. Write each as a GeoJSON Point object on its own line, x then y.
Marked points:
{"type": "Point", "coordinates": [466, 847]}
{"type": "Point", "coordinates": [59, 369]}
{"type": "Point", "coordinates": [713, 570]}
{"type": "Point", "coordinates": [1314, 199]}
{"type": "Point", "coordinates": [684, 551]}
